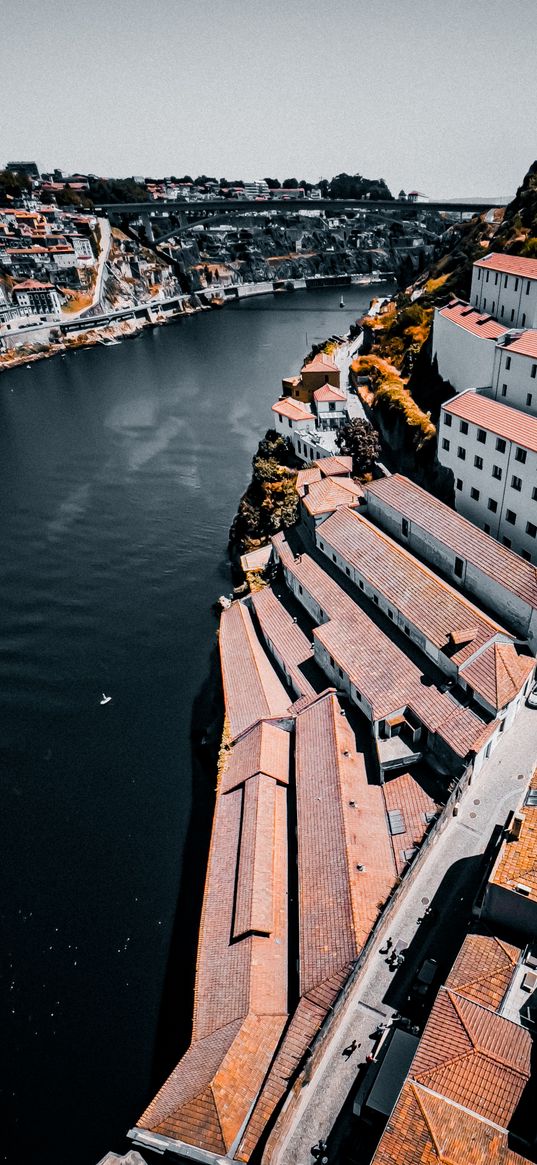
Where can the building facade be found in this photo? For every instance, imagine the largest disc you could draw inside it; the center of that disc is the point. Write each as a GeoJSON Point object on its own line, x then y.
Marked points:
{"type": "Point", "coordinates": [505, 286]}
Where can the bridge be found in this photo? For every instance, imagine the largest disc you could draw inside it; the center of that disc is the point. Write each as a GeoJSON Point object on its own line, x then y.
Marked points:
{"type": "Point", "coordinates": [198, 212]}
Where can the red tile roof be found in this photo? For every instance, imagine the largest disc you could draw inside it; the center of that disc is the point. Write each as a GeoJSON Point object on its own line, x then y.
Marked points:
{"type": "Point", "coordinates": [439, 612]}
{"type": "Point", "coordinates": [321, 363]}
{"type": "Point", "coordinates": [327, 392]}
{"type": "Point", "coordinates": [286, 638]}
{"type": "Point", "coordinates": [252, 690]}
{"type": "Point", "coordinates": [325, 496]}
{"type": "Point", "coordinates": [333, 466]}
{"type": "Point", "coordinates": [382, 673]}
{"type": "Point", "coordinates": [507, 569]}
{"type": "Point", "coordinates": [517, 860]}
{"type": "Point", "coordinates": [499, 673]}
{"type": "Point", "coordinates": [32, 285]}
{"type": "Point", "coordinates": [474, 1057]}
{"type": "Point", "coordinates": [337, 905]}
{"type": "Point", "coordinates": [261, 749]}
{"type": "Point", "coordinates": [468, 317]}
{"type": "Point", "coordinates": [483, 969]}
{"type": "Point", "coordinates": [426, 1129]}
{"type": "Point", "coordinates": [524, 345]}
{"type": "Point", "coordinates": [254, 904]}
{"type": "Point", "coordinates": [403, 794]}
{"type": "Point", "coordinates": [495, 417]}
{"type": "Point", "coordinates": [296, 410]}
{"type": "Point", "coordinates": [509, 264]}
{"type": "Point", "coordinates": [304, 477]}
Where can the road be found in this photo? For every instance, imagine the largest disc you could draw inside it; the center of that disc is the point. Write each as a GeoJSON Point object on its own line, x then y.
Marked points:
{"type": "Point", "coordinates": [498, 788]}
{"type": "Point", "coordinates": [104, 249]}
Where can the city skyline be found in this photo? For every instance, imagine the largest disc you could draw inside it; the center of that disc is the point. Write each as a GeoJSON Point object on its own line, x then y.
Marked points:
{"type": "Point", "coordinates": [274, 90]}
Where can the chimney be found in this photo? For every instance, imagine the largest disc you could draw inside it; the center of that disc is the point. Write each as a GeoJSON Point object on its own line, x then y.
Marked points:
{"type": "Point", "coordinates": [516, 826]}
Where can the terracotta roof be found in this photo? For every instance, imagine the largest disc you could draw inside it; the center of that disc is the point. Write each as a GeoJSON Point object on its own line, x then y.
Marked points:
{"type": "Point", "coordinates": [304, 477]}
{"type": "Point", "coordinates": [517, 860]}
{"type": "Point", "coordinates": [286, 638]}
{"type": "Point", "coordinates": [509, 264]}
{"type": "Point", "coordinates": [483, 969]}
{"type": "Point", "coordinates": [474, 1057]}
{"type": "Point", "coordinates": [403, 795]}
{"type": "Point", "coordinates": [472, 320]}
{"type": "Point", "coordinates": [337, 905]}
{"type": "Point", "coordinates": [261, 749]}
{"type": "Point", "coordinates": [296, 410]}
{"type": "Point", "coordinates": [382, 673]}
{"type": "Point", "coordinates": [427, 1129]}
{"type": "Point", "coordinates": [252, 690]}
{"type": "Point", "coordinates": [406, 498]}
{"type": "Point", "coordinates": [327, 392]}
{"type": "Point", "coordinates": [499, 673]}
{"type": "Point", "coordinates": [524, 344]}
{"type": "Point", "coordinates": [32, 285]}
{"type": "Point", "coordinates": [495, 417]}
{"type": "Point", "coordinates": [325, 496]}
{"type": "Point", "coordinates": [320, 363]}
{"type": "Point", "coordinates": [240, 1000]}
{"type": "Point", "coordinates": [334, 466]}
{"type": "Point", "coordinates": [439, 612]}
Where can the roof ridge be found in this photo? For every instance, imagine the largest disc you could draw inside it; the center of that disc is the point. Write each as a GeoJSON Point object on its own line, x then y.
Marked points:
{"type": "Point", "coordinates": [421, 1107]}
{"type": "Point", "coordinates": [211, 1090]}
{"type": "Point", "coordinates": [476, 1046]}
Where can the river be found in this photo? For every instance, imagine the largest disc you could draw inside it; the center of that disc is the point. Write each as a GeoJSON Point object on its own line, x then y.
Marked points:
{"type": "Point", "coordinates": [120, 472]}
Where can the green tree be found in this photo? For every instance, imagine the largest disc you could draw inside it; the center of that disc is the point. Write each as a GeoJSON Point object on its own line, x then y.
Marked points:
{"type": "Point", "coordinates": [359, 440]}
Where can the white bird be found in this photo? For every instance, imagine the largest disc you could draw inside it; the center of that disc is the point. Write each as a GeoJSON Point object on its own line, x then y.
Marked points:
{"type": "Point", "coordinates": [106, 699]}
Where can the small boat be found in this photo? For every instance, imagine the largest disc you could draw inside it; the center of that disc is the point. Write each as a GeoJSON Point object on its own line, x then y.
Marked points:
{"type": "Point", "coordinates": [106, 699]}
{"type": "Point", "coordinates": [342, 302]}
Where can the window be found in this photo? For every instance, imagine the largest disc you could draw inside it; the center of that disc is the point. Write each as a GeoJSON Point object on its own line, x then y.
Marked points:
{"type": "Point", "coordinates": [481, 436]}
{"type": "Point", "coordinates": [531, 529]}
{"type": "Point", "coordinates": [347, 571]}
{"type": "Point", "coordinates": [406, 629]}
{"type": "Point", "coordinates": [486, 527]}
{"type": "Point", "coordinates": [333, 558]}
{"type": "Point", "coordinates": [510, 517]}
{"type": "Point", "coordinates": [459, 567]}
{"type": "Point", "coordinates": [502, 311]}
{"type": "Point", "coordinates": [492, 505]}
{"type": "Point", "coordinates": [512, 318]}
{"type": "Point", "coordinates": [500, 445]}
{"type": "Point", "coordinates": [484, 305]}
{"type": "Point", "coordinates": [299, 589]}
{"type": "Point", "coordinates": [376, 600]}
{"type": "Point", "coordinates": [321, 544]}
{"type": "Point", "coordinates": [516, 483]}
{"type": "Point", "coordinates": [463, 427]}
{"type": "Point", "coordinates": [493, 308]}
{"type": "Point", "coordinates": [533, 371]}
{"type": "Point", "coordinates": [516, 284]}
{"type": "Point", "coordinates": [461, 453]}
{"type": "Point", "coordinates": [506, 541]}
{"type": "Point", "coordinates": [520, 455]}
{"type": "Point", "coordinates": [478, 462]}
{"type": "Point", "coordinates": [331, 661]}
{"type": "Point", "coordinates": [445, 443]}
{"type": "Point", "coordinates": [390, 613]}
{"type": "Point", "coordinates": [528, 398]}
{"type": "Point", "coordinates": [404, 522]}
{"type": "Point", "coordinates": [528, 287]}
{"type": "Point", "coordinates": [474, 494]}
{"type": "Point", "coordinates": [447, 416]}
{"type": "Point", "coordinates": [331, 408]}
{"type": "Point", "coordinates": [534, 493]}
{"type": "Point", "coordinates": [289, 422]}
{"type": "Point", "coordinates": [496, 279]}
{"type": "Point", "coordinates": [524, 320]}
{"type": "Point", "coordinates": [496, 472]}
{"type": "Point", "coordinates": [506, 281]}
{"type": "Point", "coordinates": [504, 390]}
{"type": "Point", "coordinates": [360, 584]}
{"type": "Point", "coordinates": [487, 277]}
{"type": "Point", "coordinates": [525, 554]}
{"type": "Point", "coordinates": [458, 483]}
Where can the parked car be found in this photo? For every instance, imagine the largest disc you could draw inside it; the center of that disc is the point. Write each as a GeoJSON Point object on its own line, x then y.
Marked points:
{"type": "Point", "coordinates": [425, 976]}
{"type": "Point", "coordinates": [531, 700]}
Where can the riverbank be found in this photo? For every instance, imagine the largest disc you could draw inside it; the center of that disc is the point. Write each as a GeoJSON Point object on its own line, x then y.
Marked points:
{"type": "Point", "coordinates": [132, 322]}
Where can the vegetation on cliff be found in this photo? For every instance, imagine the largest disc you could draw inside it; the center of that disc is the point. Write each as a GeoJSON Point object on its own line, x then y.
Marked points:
{"type": "Point", "coordinates": [271, 502]}
{"type": "Point", "coordinates": [359, 440]}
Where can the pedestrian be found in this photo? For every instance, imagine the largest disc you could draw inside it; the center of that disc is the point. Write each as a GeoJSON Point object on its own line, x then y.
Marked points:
{"type": "Point", "coordinates": [348, 1051]}
{"type": "Point", "coordinates": [389, 944]}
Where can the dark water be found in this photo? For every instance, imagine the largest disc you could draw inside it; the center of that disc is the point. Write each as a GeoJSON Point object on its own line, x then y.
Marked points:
{"type": "Point", "coordinates": [120, 470]}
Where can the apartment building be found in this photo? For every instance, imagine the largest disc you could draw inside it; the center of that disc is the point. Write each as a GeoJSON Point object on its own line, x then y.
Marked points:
{"type": "Point", "coordinates": [514, 377]}
{"type": "Point", "coordinates": [464, 345]}
{"type": "Point", "coordinates": [492, 452]}
{"type": "Point", "coordinates": [505, 286]}
{"type": "Point", "coordinates": [35, 298]}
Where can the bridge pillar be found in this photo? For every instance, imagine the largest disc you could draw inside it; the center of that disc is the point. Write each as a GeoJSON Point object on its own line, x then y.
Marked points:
{"type": "Point", "coordinates": [148, 228]}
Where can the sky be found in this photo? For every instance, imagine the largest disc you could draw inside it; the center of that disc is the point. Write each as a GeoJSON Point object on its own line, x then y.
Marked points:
{"type": "Point", "coordinates": [434, 95]}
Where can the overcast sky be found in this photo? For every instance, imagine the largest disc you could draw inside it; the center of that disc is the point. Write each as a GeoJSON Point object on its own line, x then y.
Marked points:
{"type": "Point", "coordinates": [437, 95]}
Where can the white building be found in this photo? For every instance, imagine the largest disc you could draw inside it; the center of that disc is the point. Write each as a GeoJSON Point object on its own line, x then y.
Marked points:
{"type": "Point", "coordinates": [464, 344]}
{"type": "Point", "coordinates": [35, 298]}
{"type": "Point", "coordinates": [514, 379]}
{"type": "Point", "coordinates": [312, 428]}
{"type": "Point", "coordinates": [505, 286]}
{"type": "Point", "coordinates": [492, 452]}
